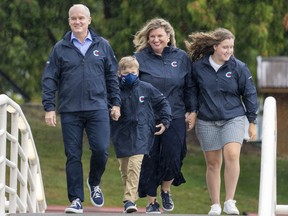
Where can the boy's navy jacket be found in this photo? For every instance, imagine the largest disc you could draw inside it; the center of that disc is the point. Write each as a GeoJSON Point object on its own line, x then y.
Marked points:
{"type": "Point", "coordinates": [170, 74]}
{"type": "Point", "coordinates": [221, 95]}
{"type": "Point", "coordinates": [84, 83]}
{"type": "Point", "coordinates": [134, 132]}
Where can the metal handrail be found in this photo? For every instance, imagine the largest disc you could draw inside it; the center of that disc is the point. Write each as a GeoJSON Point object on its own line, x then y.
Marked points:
{"type": "Point", "coordinates": [22, 190]}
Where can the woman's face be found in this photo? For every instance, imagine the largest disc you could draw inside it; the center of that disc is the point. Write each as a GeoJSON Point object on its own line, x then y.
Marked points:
{"type": "Point", "coordinates": [223, 51]}
{"type": "Point", "coordinates": [158, 40]}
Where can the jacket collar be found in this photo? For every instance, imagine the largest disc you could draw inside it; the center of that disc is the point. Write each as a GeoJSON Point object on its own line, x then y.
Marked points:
{"type": "Point", "coordinates": [231, 61]}
{"type": "Point", "coordinates": [94, 36]}
{"type": "Point", "coordinates": [167, 49]}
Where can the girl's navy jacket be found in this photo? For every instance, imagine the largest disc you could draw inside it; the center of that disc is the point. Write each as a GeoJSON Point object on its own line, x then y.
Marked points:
{"type": "Point", "coordinates": [225, 94]}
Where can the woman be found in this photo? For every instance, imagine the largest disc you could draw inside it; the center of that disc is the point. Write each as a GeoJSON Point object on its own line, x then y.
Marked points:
{"type": "Point", "coordinates": [168, 69]}
{"type": "Point", "coordinates": [224, 90]}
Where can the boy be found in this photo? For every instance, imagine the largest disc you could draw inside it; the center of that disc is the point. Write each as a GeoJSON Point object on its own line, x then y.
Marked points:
{"type": "Point", "coordinates": [143, 111]}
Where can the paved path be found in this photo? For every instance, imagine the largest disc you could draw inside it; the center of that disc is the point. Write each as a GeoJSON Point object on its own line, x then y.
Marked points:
{"type": "Point", "coordinates": [89, 210]}
{"type": "Point", "coordinates": [88, 214]}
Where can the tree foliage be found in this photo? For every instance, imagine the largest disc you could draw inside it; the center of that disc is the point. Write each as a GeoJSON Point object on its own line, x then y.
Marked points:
{"type": "Point", "coordinates": [30, 28]}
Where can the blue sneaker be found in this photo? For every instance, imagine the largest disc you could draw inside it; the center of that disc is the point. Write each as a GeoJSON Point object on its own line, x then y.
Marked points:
{"type": "Point", "coordinates": [75, 207]}
{"type": "Point", "coordinates": [96, 195]}
{"type": "Point", "coordinates": [129, 207]}
{"type": "Point", "coordinates": [167, 202]}
{"type": "Point", "coordinates": [153, 208]}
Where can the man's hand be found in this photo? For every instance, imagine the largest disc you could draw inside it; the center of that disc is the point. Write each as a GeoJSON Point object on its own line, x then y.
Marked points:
{"type": "Point", "coordinates": [115, 113]}
{"type": "Point", "coordinates": [50, 118]}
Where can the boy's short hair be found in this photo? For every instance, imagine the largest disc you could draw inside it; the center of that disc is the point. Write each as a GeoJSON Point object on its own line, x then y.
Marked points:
{"type": "Point", "coordinates": [128, 61]}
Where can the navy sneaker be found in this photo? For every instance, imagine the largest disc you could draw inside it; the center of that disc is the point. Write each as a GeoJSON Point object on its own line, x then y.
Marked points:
{"type": "Point", "coordinates": [75, 207]}
{"type": "Point", "coordinates": [153, 208]}
{"type": "Point", "coordinates": [167, 202]}
{"type": "Point", "coordinates": [129, 207]}
{"type": "Point", "coordinates": [96, 195]}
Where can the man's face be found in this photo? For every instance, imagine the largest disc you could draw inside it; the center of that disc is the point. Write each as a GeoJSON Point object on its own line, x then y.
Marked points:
{"type": "Point", "coordinates": [79, 20]}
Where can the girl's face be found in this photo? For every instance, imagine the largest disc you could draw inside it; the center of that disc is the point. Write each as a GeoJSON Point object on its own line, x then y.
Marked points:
{"type": "Point", "coordinates": [158, 40]}
{"type": "Point", "coordinates": [223, 51]}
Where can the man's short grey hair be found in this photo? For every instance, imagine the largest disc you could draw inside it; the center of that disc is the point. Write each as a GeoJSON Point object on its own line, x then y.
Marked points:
{"type": "Point", "coordinates": [80, 5]}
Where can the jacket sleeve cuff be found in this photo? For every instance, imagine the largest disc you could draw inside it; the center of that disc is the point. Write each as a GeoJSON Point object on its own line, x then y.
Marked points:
{"type": "Point", "coordinates": [166, 124]}
{"type": "Point", "coordinates": [253, 121]}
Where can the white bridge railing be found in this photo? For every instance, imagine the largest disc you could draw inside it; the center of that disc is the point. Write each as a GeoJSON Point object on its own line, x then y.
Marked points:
{"type": "Point", "coordinates": [268, 181]}
{"type": "Point", "coordinates": [21, 185]}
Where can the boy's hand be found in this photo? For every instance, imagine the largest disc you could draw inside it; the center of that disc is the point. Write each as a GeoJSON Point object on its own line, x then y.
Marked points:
{"type": "Point", "coordinates": [161, 130]}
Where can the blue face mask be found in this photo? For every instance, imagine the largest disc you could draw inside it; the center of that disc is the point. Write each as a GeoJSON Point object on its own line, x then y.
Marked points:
{"type": "Point", "coordinates": [128, 79]}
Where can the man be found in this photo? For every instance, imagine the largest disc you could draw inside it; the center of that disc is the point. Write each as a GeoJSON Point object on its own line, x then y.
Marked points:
{"type": "Point", "coordinates": [82, 69]}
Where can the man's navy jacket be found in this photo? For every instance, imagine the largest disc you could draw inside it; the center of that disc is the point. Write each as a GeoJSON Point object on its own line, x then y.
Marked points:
{"type": "Point", "coordinates": [84, 83]}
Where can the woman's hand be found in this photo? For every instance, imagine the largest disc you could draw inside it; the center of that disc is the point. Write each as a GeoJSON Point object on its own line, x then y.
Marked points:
{"type": "Point", "coordinates": [191, 120]}
{"type": "Point", "coordinates": [252, 131]}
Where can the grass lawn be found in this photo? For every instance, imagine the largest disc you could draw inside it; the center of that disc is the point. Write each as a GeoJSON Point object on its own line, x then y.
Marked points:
{"type": "Point", "coordinates": [191, 197]}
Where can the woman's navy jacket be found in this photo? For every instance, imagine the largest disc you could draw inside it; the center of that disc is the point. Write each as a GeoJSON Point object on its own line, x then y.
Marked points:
{"type": "Point", "coordinates": [134, 132]}
{"type": "Point", "coordinates": [83, 83]}
{"type": "Point", "coordinates": [170, 74]}
{"type": "Point", "coordinates": [225, 94]}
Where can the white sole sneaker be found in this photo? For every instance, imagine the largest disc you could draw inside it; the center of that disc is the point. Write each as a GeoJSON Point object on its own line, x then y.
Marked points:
{"type": "Point", "coordinates": [215, 210]}
{"type": "Point", "coordinates": [230, 207]}
{"type": "Point", "coordinates": [73, 210]}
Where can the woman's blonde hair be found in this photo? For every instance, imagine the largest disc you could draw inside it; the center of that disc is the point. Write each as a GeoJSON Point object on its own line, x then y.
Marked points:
{"type": "Point", "coordinates": [200, 44]}
{"type": "Point", "coordinates": [127, 61]}
{"type": "Point", "coordinates": [141, 37]}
